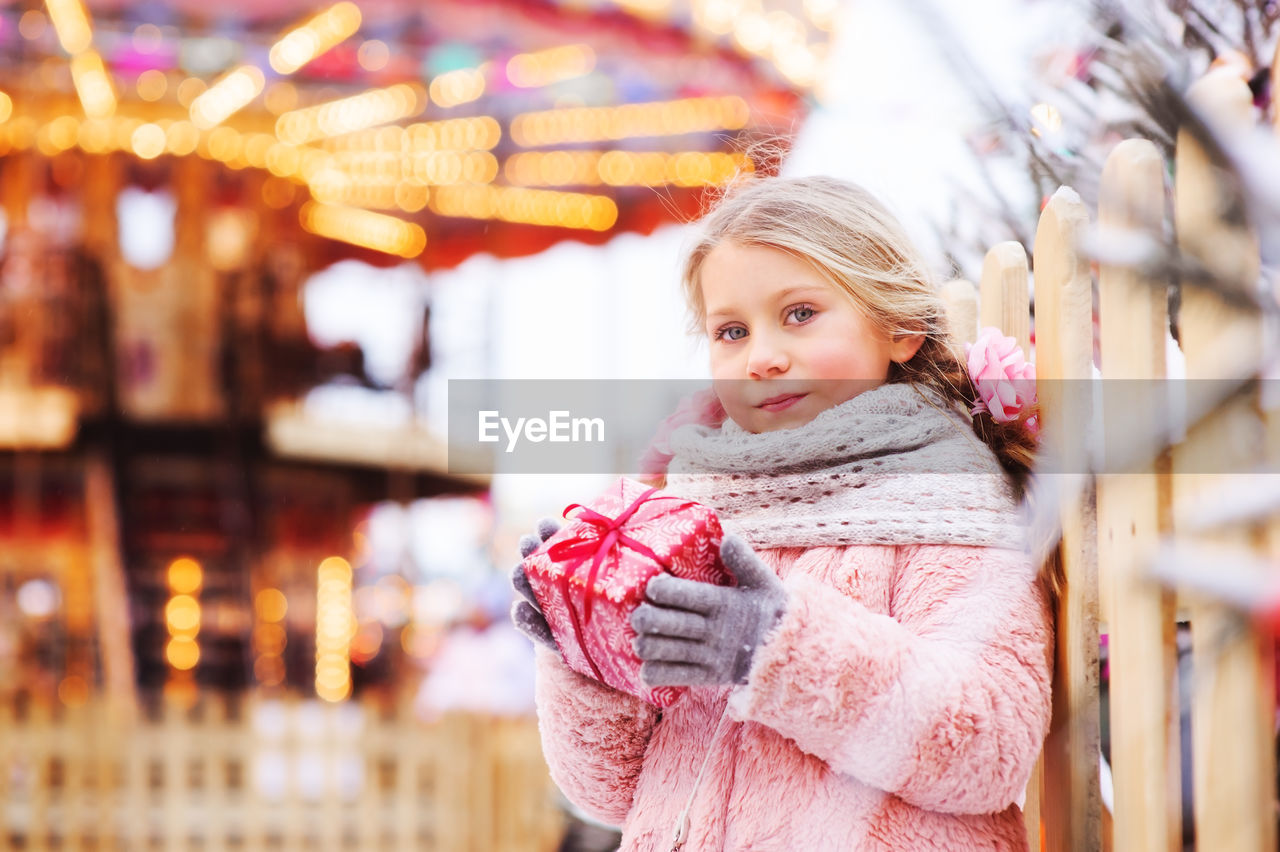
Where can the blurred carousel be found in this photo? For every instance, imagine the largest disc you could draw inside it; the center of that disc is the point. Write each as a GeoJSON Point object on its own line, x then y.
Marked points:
{"type": "Point", "coordinates": [218, 604]}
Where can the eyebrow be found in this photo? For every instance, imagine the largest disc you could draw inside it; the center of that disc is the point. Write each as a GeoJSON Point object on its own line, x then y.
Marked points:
{"type": "Point", "coordinates": [785, 294]}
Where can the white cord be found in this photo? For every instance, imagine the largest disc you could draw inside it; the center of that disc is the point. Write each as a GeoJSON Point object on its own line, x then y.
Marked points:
{"type": "Point", "coordinates": [682, 825]}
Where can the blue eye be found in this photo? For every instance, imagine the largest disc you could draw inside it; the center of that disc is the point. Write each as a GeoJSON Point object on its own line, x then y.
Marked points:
{"type": "Point", "coordinates": [802, 313]}
{"type": "Point", "coordinates": [731, 333]}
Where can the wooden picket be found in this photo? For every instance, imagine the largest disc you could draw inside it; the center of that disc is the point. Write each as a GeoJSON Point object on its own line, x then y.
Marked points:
{"type": "Point", "coordinates": [1004, 303]}
{"type": "Point", "coordinates": [1233, 694]}
{"type": "Point", "coordinates": [1133, 509]}
{"type": "Point", "coordinates": [272, 775]}
{"type": "Point", "coordinates": [1071, 809]}
{"type": "Point", "coordinates": [961, 300]}
{"type": "Point", "coordinates": [1004, 298]}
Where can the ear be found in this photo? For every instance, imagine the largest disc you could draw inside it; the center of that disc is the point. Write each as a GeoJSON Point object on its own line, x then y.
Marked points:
{"type": "Point", "coordinates": [904, 347]}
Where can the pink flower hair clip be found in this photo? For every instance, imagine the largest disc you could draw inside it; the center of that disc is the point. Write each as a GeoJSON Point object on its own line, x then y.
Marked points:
{"type": "Point", "coordinates": [1002, 376]}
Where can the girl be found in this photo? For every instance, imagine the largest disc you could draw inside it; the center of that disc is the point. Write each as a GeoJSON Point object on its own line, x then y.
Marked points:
{"type": "Point", "coordinates": [879, 678]}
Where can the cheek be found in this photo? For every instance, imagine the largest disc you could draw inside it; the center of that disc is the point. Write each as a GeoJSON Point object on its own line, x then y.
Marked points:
{"type": "Point", "coordinates": [724, 376]}
{"type": "Point", "coordinates": [848, 362]}
{"type": "Point", "coordinates": [723, 364]}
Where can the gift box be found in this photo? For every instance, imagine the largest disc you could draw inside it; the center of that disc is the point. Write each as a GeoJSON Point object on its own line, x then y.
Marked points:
{"type": "Point", "coordinates": [591, 575]}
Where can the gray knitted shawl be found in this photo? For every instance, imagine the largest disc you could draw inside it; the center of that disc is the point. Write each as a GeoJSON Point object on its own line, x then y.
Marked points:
{"type": "Point", "coordinates": [890, 466]}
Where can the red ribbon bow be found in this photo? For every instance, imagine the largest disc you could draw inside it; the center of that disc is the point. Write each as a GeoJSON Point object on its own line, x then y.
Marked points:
{"type": "Point", "coordinates": [597, 549]}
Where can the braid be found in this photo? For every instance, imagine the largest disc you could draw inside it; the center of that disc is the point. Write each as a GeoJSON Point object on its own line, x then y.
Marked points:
{"type": "Point", "coordinates": [937, 366]}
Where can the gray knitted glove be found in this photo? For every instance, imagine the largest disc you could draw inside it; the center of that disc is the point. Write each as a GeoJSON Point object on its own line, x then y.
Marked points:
{"type": "Point", "coordinates": [697, 634]}
{"type": "Point", "coordinates": [525, 614]}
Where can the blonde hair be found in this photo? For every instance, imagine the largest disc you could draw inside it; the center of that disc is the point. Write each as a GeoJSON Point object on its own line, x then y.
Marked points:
{"type": "Point", "coordinates": [835, 227]}
{"type": "Point", "coordinates": [845, 234]}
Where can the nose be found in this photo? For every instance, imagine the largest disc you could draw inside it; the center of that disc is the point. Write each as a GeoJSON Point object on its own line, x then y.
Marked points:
{"type": "Point", "coordinates": [768, 356]}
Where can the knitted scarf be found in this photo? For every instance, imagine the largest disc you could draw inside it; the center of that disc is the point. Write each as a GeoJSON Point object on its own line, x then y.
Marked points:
{"type": "Point", "coordinates": [893, 465]}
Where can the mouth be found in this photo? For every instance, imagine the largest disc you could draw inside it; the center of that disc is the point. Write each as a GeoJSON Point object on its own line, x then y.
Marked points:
{"type": "Point", "coordinates": [781, 402]}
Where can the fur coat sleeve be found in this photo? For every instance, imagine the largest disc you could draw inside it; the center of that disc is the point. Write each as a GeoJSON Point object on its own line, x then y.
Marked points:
{"type": "Point", "coordinates": [930, 682]}
{"type": "Point", "coordinates": [593, 736]}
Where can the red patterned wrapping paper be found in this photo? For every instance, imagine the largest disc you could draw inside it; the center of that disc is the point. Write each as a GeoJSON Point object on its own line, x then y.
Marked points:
{"type": "Point", "coordinates": [591, 575]}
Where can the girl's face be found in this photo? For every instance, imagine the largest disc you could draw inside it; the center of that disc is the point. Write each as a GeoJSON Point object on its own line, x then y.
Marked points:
{"type": "Point", "coordinates": [786, 344]}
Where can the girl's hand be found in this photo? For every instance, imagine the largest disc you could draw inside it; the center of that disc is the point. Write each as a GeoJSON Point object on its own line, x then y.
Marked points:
{"type": "Point", "coordinates": [525, 614]}
{"type": "Point", "coordinates": [697, 634]}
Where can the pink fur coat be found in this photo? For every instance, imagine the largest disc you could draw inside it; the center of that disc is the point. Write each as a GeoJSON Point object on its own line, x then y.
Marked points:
{"type": "Point", "coordinates": [899, 704]}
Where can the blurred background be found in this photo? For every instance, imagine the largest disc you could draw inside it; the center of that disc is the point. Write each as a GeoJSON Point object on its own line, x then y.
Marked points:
{"type": "Point", "coordinates": [244, 246]}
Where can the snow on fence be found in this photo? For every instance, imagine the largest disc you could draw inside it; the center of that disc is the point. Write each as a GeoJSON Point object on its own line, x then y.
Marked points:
{"type": "Point", "coordinates": [1114, 521]}
{"type": "Point", "coordinates": [268, 775]}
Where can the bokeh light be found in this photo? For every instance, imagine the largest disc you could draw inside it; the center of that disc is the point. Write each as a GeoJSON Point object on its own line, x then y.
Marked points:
{"type": "Point", "coordinates": [185, 575]}
{"type": "Point", "coordinates": [318, 35]}
{"type": "Point", "coordinates": [271, 605]}
{"type": "Point", "coordinates": [182, 653]}
{"type": "Point", "coordinates": [33, 24]}
{"type": "Point", "coordinates": [152, 85]}
{"type": "Point", "coordinates": [37, 598]}
{"type": "Point", "coordinates": [335, 627]}
{"type": "Point", "coordinates": [373, 55]}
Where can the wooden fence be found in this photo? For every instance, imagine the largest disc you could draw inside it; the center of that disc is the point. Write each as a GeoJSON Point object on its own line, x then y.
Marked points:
{"type": "Point", "coordinates": [1115, 519]}
{"type": "Point", "coordinates": [259, 775]}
